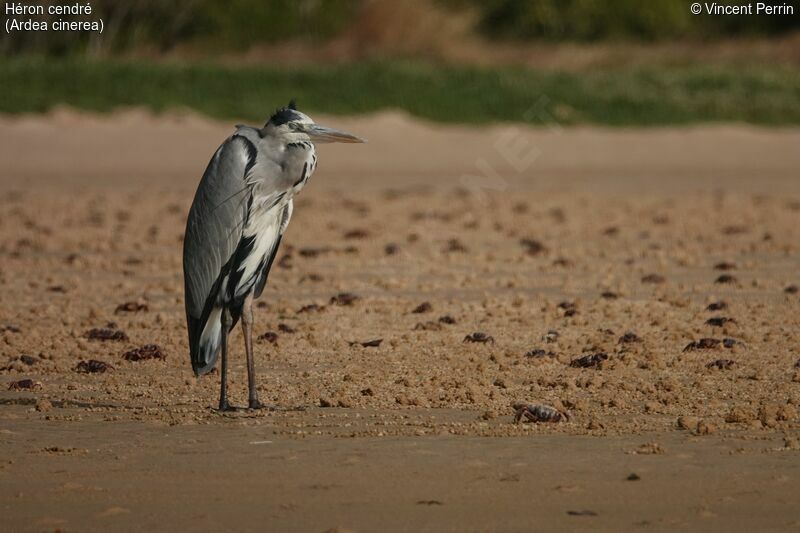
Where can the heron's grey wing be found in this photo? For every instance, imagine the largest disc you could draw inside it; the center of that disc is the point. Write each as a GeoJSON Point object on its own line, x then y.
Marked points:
{"type": "Point", "coordinates": [286, 215]}
{"type": "Point", "coordinates": [213, 230]}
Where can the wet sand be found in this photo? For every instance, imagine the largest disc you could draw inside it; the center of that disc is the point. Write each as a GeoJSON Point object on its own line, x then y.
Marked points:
{"type": "Point", "coordinates": [577, 242]}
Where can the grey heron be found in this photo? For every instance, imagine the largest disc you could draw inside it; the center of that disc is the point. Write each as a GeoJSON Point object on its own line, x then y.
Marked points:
{"type": "Point", "coordinates": [239, 214]}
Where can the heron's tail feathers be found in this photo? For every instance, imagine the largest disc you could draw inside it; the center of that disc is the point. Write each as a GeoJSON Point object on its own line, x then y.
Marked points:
{"type": "Point", "coordinates": [205, 344]}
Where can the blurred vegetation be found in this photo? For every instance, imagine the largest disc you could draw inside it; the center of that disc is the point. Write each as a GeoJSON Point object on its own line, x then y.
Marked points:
{"type": "Point", "coordinates": [615, 96]}
{"type": "Point", "coordinates": [159, 25]}
{"type": "Point", "coordinates": [236, 25]}
{"type": "Point", "coordinates": [40, 70]}
{"type": "Point", "coordinates": [596, 20]}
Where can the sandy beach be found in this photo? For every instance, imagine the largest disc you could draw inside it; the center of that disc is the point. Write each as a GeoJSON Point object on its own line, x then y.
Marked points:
{"type": "Point", "coordinates": [644, 282]}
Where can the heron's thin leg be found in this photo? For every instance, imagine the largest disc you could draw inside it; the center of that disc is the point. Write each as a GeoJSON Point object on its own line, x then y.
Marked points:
{"type": "Point", "coordinates": [223, 387]}
{"type": "Point", "coordinates": [247, 330]}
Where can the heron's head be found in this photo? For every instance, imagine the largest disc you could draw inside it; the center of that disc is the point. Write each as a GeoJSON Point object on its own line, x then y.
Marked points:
{"type": "Point", "coordinates": [290, 125]}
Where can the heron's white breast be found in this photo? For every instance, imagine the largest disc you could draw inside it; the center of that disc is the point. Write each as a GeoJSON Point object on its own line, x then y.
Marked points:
{"type": "Point", "coordinates": [264, 226]}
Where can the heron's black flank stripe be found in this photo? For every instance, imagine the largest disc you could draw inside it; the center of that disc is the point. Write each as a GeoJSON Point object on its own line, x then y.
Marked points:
{"type": "Point", "coordinates": [251, 153]}
{"type": "Point", "coordinates": [303, 175]}
{"type": "Point", "coordinates": [243, 251]}
{"type": "Point", "coordinates": [196, 324]}
{"type": "Point", "coordinates": [249, 210]}
{"type": "Point", "coordinates": [266, 266]}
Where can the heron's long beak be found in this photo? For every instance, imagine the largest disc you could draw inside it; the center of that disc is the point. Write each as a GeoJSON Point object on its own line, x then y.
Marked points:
{"type": "Point", "coordinates": [321, 134]}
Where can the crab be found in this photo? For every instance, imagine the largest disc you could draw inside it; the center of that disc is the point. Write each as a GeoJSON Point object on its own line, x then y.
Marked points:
{"type": "Point", "coordinates": [720, 321]}
{"type": "Point", "coordinates": [589, 361]}
{"type": "Point", "coordinates": [479, 336]}
{"type": "Point", "coordinates": [148, 351]}
{"type": "Point", "coordinates": [344, 298]}
{"type": "Point", "coordinates": [93, 366]}
{"type": "Point", "coordinates": [706, 343]}
{"type": "Point", "coordinates": [106, 334]}
{"type": "Point", "coordinates": [721, 364]}
{"type": "Point", "coordinates": [24, 384]}
{"type": "Point", "coordinates": [538, 413]}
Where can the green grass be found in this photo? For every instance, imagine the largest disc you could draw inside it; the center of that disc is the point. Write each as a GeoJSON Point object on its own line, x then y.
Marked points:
{"type": "Point", "coordinates": [759, 94]}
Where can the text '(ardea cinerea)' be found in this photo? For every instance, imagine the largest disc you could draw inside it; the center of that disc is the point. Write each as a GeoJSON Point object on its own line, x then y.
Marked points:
{"type": "Point", "coordinates": [240, 211]}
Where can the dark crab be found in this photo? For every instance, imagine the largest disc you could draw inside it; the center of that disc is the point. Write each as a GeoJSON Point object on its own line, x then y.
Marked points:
{"type": "Point", "coordinates": [568, 308]}
{"type": "Point", "coordinates": [143, 353]}
{"type": "Point", "coordinates": [538, 353]}
{"type": "Point", "coordinates": [310, 308]}
{"type": "Point", "coordinates": [480, 337]}
{"type": "Point", "coordinates": [344, 298]}
{"type": "Point", "coordinates": [706, 343]}
{"type": "Point", "coordinates": [589, 361]}
{"type": "Point", "coordinates": [269, 336]}
{"type": "Point", "coordinates": [538, 413]}
{"type": "Point", "coordinates": [424, 307]}
{"type": "Point", "coordinates": [374, 343]}
{"type": "Point", "coordinates": [629, 337]}
{"type": "Point", "coordinates": [286, 328]}
{"type": "Point", "coordinates": [720, 321]}
{"type": "Point", "coordinates": [532, 246]}
{"type": "Point", "coordinates": [131, 307]}
{"type": "Point", "coordinates": [721, 364]}
{"type": "Point", "coordinates": [106, 334]}
{"type": "Point", "coordinates": [93, 366]}
{"type": "Point", "coordinates": [24, 384]}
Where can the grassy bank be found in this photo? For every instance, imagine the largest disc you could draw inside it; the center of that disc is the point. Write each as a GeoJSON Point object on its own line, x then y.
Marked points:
{"type": "Point", "coordinates": [622, 96]}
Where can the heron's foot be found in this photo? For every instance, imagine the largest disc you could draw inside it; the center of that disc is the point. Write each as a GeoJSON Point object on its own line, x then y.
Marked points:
{"type": "Point", "coordinates": [225, 407]}
{"type": "Point", "coordinates": [253, 403]}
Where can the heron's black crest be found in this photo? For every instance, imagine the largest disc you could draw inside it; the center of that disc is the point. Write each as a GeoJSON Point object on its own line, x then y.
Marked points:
{"type": "Point", "coordinates": [285, 114]}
